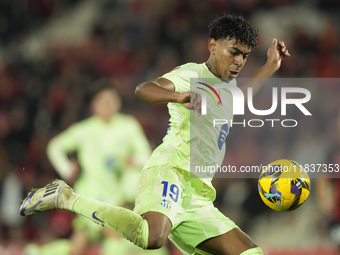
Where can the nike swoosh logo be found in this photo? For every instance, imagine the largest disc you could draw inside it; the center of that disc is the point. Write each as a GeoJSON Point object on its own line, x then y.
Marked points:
{"type": "Point", "coordinates": [94, 217]}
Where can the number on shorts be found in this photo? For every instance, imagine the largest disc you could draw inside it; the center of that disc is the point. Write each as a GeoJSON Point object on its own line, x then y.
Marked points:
{"type": "Point", "coordinates": [174, 191]}
{"type": "Point", "coordinates": [165, 188]}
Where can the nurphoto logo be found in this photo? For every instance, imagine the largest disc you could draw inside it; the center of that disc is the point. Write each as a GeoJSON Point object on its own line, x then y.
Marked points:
{"type": "Point", "coordinates": [239, 104]}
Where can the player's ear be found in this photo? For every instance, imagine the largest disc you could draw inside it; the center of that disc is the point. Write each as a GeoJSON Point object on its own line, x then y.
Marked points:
{"type": "Point", "coordinates": [212, 45]}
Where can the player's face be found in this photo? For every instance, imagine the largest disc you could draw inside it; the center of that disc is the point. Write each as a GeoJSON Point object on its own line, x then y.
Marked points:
{"type": "Point", "coordinates": [228, 57]}
{"type": "Point", "coordinates": [106, 104]}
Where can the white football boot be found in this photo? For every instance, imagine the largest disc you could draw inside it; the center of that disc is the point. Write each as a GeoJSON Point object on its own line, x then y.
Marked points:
{"type": "Point", "coordinates": [55, 195]}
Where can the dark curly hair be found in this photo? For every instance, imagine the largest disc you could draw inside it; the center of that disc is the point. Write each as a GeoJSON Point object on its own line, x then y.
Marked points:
{"type": "Point", "coordinates": [230, 26]}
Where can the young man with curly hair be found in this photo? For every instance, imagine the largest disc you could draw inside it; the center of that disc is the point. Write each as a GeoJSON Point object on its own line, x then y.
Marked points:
{"type": "Point", "coordinates": [171, 204]}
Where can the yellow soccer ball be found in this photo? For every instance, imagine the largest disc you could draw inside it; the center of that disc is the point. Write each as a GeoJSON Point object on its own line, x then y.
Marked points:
{"type": "Point", "coordinates": [284, 185]}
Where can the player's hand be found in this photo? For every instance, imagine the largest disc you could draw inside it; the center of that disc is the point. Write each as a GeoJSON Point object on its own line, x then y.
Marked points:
{"type": "Point", "coordinates": [184, 99]}
{"type": "Point", "coordinates": [191, 101]}
{"type": "Point", "coordinates": [276, 53]}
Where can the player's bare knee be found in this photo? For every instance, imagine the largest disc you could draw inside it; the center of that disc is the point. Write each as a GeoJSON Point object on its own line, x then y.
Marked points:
{"type": "Point", "coordinates": [157, 236]}
{"type": "Point", "coordinates": [156, 241]}
{"type": "Point", "coordinates": [159, 229]}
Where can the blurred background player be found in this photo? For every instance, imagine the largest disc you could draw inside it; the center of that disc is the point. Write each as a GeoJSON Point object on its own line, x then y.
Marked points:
{"type": "Point", "coordinates": [111, 149]}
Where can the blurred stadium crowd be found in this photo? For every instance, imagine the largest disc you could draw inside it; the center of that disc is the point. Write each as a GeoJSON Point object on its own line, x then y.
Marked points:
{"type": "Point", "coordinates": [133, 41]}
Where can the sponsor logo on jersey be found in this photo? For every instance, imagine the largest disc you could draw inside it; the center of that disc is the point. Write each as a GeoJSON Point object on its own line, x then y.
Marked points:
{"type": "Point", "coordinates": [222, 136]}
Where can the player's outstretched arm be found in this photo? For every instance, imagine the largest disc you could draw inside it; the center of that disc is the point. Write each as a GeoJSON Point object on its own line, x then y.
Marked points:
{"type": "Point", "coordinates": [276, 52]}
{"type": "Point", "coordinates": [161, 90]}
